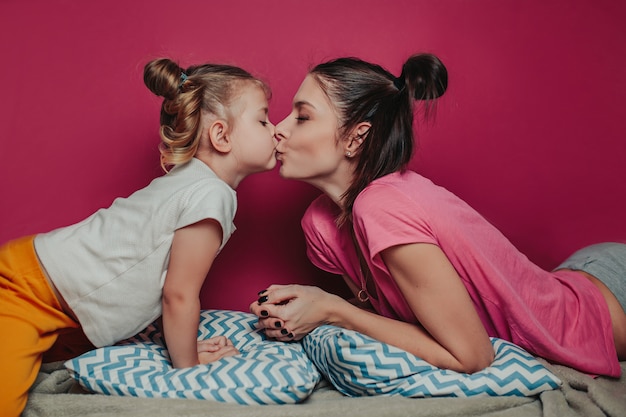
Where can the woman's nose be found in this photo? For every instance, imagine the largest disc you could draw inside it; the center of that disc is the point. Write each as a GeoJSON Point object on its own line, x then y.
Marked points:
{"type": "Point", "coordinates": [279, 131]}
{"type": "Point", "coordinates": [274, 138]}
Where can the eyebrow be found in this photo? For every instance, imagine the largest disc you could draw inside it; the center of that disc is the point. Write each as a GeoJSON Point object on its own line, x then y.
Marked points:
{"type": "Point", "coordinates": [303, 103]}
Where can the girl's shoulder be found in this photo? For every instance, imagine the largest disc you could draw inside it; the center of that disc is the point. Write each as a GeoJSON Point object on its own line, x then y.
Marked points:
{"type": "Point", "coordinates": [195, 177]}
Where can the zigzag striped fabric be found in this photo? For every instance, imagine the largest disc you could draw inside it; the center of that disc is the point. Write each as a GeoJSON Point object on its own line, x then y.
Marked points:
{"type": "Point", "coordinates": [358, 365]}
{"type": "Point", "coordinates": [266, 372]}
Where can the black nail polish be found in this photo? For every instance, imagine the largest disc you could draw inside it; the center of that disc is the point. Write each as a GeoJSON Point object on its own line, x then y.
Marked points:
{"type": "Point", "coordinates": [290, 335]}
{"type": "Point", "coordinates": [277, 324]}
{"type": "Point", "coordinates": [263, 299]}
{"type": "Point", "coordinates": [261, 292]}
{"type": "Point", "coordinates": [264, 313]}
{"type": "Point", "coordinates": [284, 331]}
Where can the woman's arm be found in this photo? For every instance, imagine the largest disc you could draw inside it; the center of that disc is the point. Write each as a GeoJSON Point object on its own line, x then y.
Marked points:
{"type": "Point", "coordinates": [441, 304]}
{"type": "Point", "coordinates": [193, 250]}
{"type": "Point", "coordinates": [451, 335]}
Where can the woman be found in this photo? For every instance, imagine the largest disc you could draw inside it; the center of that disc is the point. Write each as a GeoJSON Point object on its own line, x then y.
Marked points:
{"type": "Point", "coordinates": [439, 278]}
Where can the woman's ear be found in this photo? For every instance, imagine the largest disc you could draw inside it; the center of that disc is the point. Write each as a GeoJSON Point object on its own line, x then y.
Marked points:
{"type": "Point", "coordinates": [357, 136]}
{"type": "Point", "coordinates": [219, 136]}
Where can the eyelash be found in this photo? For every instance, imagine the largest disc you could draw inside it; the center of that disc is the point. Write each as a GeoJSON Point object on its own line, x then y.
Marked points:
{"type": "Point", "coordinates": [302, 119]}
{"type": "Point", "coordinates": [264, 123]}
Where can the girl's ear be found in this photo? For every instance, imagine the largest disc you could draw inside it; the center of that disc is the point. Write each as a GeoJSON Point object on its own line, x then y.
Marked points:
{"type": "Point", "coordinates": [219, 136]}
{"type": "Point", "coordinates": [357, 136]}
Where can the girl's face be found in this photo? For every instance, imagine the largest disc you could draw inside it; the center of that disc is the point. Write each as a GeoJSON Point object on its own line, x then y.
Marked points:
{"type": "Point", "coordinates": [308, 147]}
{"type": "Point", "coordinates": [253, 133]}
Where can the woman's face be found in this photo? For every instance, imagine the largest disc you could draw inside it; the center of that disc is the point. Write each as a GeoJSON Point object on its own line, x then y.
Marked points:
{"type": "Point", "coordinates": [308, 147]}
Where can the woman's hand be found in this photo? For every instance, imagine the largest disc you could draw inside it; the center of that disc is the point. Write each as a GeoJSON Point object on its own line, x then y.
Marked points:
{"type": "Point", "coordinates": [215, 348]}
{"type": "Point", "coordinates": [290, 312]}
{"type": "Point", "coordinates": [448, 332]}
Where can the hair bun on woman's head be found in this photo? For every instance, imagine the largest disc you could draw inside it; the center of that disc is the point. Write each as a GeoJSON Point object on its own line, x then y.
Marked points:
{"type": "Point", "coordinates": [426, 75]}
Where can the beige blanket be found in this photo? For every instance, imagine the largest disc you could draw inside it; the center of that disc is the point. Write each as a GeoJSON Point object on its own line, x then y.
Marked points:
{"type": "Point", "coordinates": [55, 394]}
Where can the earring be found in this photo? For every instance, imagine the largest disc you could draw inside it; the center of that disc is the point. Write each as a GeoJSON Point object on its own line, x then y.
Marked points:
{"type": "Point", "coordinates": [348, 154]}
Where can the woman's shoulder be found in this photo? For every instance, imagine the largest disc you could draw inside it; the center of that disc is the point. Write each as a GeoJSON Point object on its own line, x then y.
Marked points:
{"type": "Point", "coordinates": [319, 222]}
{"type": "Point", "coordinates": [321, 210]}
{"type": "Point", "coordinates": [400, 179]}
{"type": "Point", "coordinates": [405, 195]}
{"type": "Point", "coordinates": [395, 186]}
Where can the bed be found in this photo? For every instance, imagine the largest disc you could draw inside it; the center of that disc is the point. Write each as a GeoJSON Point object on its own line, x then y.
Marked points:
{"type": "Point", "coordinates": [66, 389]}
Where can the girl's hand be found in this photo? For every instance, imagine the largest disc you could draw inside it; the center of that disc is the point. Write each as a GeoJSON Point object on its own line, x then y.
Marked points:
{"type": "Point", "coordinates": [290, 312]}
{"type": "Point", "coordinates": [215, 348]}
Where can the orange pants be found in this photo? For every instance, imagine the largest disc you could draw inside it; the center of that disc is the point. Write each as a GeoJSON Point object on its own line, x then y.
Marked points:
{"type": "Point", "coordinates": [31, 319]}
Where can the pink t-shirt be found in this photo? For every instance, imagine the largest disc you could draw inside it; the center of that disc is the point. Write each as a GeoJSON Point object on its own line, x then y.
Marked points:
{"type": "Point", "coordinates": [560, 316]}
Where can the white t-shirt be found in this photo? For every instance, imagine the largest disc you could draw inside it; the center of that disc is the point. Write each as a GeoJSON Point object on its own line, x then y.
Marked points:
{"type": "Point", "coordinates": [110, 268]}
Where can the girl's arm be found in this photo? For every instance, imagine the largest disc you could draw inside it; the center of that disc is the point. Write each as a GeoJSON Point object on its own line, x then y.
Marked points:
{"type": "Point", "coordinates": [451, 335]}
{"type": "Point", "coordinates": [193, 250]}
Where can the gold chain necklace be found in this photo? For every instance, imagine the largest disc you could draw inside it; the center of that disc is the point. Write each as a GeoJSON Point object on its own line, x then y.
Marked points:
{"type": "Point", "coordinates": [363, 296]}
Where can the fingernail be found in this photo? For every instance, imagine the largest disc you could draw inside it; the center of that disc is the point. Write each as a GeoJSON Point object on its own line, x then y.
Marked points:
{"type": "Point", "coordinates": [284, 331]}
{"type": "Point", "coordinates": [290, 335]}
{"type": "Point", "coordinates": [264, 313]}
{"type": "Point", "coordinates": [263, 299]}
{"type": "Point", "coordinates": [277, 324]}
{"type": "Point", "coordinates": [261, 292]}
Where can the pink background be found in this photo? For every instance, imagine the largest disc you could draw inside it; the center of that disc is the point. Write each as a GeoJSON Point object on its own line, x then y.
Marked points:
{"type": "Point", "coordinates": [532, 131]}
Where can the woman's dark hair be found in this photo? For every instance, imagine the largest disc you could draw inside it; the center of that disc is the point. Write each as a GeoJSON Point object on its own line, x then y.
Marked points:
{"type": "Point", "coordinates": [365, 92]}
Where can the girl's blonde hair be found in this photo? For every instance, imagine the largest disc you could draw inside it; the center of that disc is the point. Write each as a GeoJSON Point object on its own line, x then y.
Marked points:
{"type": "Point", "coordinates": [188, 94]}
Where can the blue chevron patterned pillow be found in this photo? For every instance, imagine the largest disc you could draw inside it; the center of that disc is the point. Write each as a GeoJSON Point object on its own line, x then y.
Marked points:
{"type": "Point", "coordinates": [358, 365]}
{"type": "Point", "coordinates": [266, 372]}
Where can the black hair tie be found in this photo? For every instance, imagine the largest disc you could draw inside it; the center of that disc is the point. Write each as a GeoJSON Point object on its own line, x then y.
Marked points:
{"type": "Point", "coordinates": [399, 83]}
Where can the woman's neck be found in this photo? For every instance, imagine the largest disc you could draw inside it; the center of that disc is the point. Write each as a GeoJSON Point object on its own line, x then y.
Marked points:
{"type": "Point", "coordinates": [334, 187]}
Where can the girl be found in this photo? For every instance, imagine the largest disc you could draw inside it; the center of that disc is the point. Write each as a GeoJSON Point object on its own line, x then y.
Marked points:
{"type": "Point", "coordinates": [121, 268]}
{"type": "Point", "coordinates": [439, 277]}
